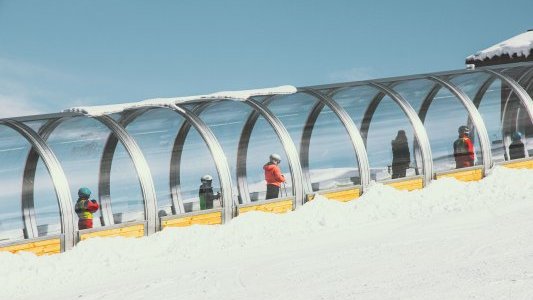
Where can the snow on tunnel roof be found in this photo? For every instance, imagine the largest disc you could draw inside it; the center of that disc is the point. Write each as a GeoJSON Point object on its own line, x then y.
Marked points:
{"type": "Point", "coordinates": [520, 45]}
{"type": "Point", "coordinates": [243, 95]}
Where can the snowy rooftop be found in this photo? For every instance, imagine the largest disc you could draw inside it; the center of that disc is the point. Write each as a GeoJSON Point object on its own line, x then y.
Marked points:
{"type": "Point", "coordinates": [225, 95]}
{"type": "Point", "coordinates": [520, 45]}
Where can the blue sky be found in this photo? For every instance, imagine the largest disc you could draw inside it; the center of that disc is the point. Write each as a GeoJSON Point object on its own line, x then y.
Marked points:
{"type": "Point", "coordinates": [57, 54]}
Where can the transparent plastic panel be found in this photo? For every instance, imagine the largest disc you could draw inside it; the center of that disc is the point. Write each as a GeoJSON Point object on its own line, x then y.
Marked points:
{"type": "Point", "coordinates": [127, 201]}
{"type": "Point", "coordinates": [332, 159]}
{"type": "Point", "coordinates": [390, 143]}
{"type": "Point", "coordinates": [196, 162]}
{"type": "Point", "coordinates": [13, 151]}
{"type": "Point", "coordinates": [293, 111]}
{"type": "Point", "coordinates": [78, 144]}
{"type": "Point", "coordinates": [355, 101]}
{"type": "Point", "coordinates": [470, 83]}
{"type": "Point", "coordinates": [489, 103]}
{"type": "Point", "coordinates": [264, 142]}
{"type": "Point", "coordinates": [36, 125]}
{"type": "Point", "coordinates": [226, 120]}
{"type": "Point", "coordinates": [155, 132]}
{"type": "Point", "coordinates": [443, 119]}
{"type": "Point", "coordinates": [45, 202]}
{"type": "Point", "coordinates": [517, 73]}
{"type": "Point", "coordinates": [414, 91]}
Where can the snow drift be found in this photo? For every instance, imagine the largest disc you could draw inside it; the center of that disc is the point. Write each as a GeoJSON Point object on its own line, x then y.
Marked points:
{"type": "Point", "coordinates": [450, 240]}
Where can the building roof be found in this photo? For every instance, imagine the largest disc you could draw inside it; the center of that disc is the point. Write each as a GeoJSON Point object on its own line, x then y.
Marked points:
{"type": "Point", "coordinates": [516, 49]}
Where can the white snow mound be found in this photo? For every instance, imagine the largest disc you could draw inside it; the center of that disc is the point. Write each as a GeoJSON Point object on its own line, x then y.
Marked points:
{"type": "Point", "coordinates": [451, 240]}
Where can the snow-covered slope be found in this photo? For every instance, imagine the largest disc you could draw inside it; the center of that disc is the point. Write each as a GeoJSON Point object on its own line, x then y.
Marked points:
{"type": "Point", "coordinates": [452, 240]}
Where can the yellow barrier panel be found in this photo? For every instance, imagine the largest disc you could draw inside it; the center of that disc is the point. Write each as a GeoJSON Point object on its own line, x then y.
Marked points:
{"type": "Point", "coordinates": [408, 184]}
{"type": "Point", "coordinates": [521, 164]}
{"type": "Point", "coordinates": [466, 175]}
{"type": "Point", "coordinates": [342, 196]}
{"type": "Point", "coordinates": [43, 247]}
{"type": "Point", "coordinates": [277, 207]}
{"type": "Point", "coordinates": [128, 231]}
{"type": "Point", "coordinates": [213, 218]}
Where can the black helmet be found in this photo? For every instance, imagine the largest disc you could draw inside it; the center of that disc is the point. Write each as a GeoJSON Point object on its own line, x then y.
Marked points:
{"type": "Point", "coordinates": [464, 130]}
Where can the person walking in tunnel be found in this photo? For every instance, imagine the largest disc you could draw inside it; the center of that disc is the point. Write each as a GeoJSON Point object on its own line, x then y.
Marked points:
{"type": "Point", "coordinates": [85, 208]}
{"type": "Point", "coordinates": [401, 157]}
{"type": "Point", "coordinates": [273, 176]}
{"type": "Point", "coordinates": [206, 194]}
{"type": "Point", "coordinates": [463, 149]}
{"type": "Point", "coordinates": [516, 149]}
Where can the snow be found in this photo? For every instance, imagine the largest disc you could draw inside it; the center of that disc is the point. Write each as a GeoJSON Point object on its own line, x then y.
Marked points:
{"type": "Point", "coordinates": [226, 95]}
{"type": "Point", "coordinates": [521, 45]}
{"type": "Point", "coordinates": [451, 240]}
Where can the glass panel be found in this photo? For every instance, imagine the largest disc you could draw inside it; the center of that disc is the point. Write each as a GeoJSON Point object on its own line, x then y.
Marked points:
{"type": "Point", "coordinates": [78, 144]}
{"type": "Point", "coordinates": [36, 125]}
{"type": "Point", "coordinates": [443, 119]}
{"type": "Point", "coordinates": [196, 162]}
{"type": "Point", "coordinates": [489, 106]}
{"type": "Point", "coordinates": [264, 142]}
{"type": "Point", "coordinates": [355, 101]}
{"type": "Point", "coordinates": [155, 132]}
{"type": "Point", "coordinates": [293, 111]}
{"type": "Point", "coordinates": [226, 120]}
{"type": "Point", "coordinates": [414, 91]}
{"type": "Point", "coordinates": [13, 152]}
{"type": "Point", "coordinates": [127, 201]}
{"type": "Point", "coordinates": [45, 202]}
{"type": "Point", "coordinates": [332, 159]}
{"type": "Point", "coordinates": [389, 143]}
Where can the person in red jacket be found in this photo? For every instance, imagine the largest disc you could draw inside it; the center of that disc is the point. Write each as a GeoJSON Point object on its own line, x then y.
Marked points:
{"type": "Point", "coordinates": [273, 176]}
{"type": "Point", "coordinates": [463, 149]}
{"type": "Point", "coordinates": [85, 208]}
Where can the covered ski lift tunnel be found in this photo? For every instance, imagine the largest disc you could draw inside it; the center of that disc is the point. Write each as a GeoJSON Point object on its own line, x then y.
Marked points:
{"type": "Point", "coordinates": [143, 161]}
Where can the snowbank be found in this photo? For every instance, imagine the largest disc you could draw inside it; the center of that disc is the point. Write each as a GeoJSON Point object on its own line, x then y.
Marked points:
{"type": "Point", "coordinates": [451, 240]}
{"type": "Point", "coordinates": [228, 95]}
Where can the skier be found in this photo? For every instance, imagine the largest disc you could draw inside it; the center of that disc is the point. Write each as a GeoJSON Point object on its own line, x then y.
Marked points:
{"type": "Point", "coordinates": [516, 149]}
{"type": "Point", "coordinates": [205, 192]}
{"type": "Point", "coordinates": [463, 149]}
{"type": "Point", "coordinates": [85, 208]}
{"type": "Point", "coordinates": [273, 176]}
{"type": "Point", "coordinates": [401, 157]}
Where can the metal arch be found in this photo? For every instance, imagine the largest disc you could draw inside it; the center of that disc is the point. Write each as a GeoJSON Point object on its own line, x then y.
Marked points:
{"type": "Point", "coordinates": [369, 113]}
{"type": "Point", "coordinates": [147, 187]}
{"type": "Point", "coordinates": [30, 169]}
{"type": "Point", "coordinates": [58, 177]}
{"type": "Point", "coordinates": [522, 94]}
{"type": "Point", "coordinates": [174, 179]}
{"type": "Point", "coordinates": [288, 146]}
{"type": "Point", "coordinates": [175, 162]}
{"type": "Point", "coordinates": [477, 120]}
{"type": "Point", "coordinates": [354, 134]}
{"type": "Point", "coordinates": [416, 123]}
{"type": "Point", "coordinates": [142, 168]}
{"type": "Point", "coordinates": [242, 151]}
{"type": "Point", "coordinates": [221, 162]}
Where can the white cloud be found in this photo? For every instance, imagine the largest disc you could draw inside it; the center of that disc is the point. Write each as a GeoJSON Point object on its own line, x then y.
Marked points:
{"type": "Point", "coordinates": [25, 88]}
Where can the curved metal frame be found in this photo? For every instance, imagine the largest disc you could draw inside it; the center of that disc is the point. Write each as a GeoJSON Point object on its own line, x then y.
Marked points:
{"type": "Point", "coordinates": [474, 114]}
{"type": "Point", "coordinates": [260, 109]}
{"type": "Point", "coordinates": [418, 127]}
{"type": "Point", "coordinates": [219, 156]}
{"type": "Point", "coordinates": [133, 150]}
{"type": "Point", "coordinates": [350, 127]}
{"type": "Point", "coordinates": [59, 180]}
{"type": "Point", "coordinates": [174, 179]}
